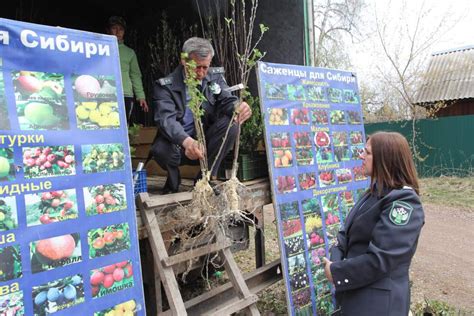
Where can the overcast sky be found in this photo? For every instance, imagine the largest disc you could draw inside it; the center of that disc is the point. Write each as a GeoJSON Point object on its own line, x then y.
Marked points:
{"type": "Point", "coordinates": [461, 33]}
{"type": "Point", "coordinates": [458, 28]}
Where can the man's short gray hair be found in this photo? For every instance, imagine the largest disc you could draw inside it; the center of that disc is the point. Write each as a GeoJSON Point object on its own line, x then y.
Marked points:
{"type": "Point", "coordinates": [198, 46]}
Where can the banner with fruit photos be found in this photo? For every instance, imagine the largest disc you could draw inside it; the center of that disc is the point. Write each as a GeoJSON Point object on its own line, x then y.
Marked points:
{"type": "Point", "coordinates": [68, 231]}
{"type": "Point", "coordinates": [314, 136]}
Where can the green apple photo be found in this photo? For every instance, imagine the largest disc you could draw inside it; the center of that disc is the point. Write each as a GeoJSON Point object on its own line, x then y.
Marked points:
{"type": "Point", "coordinates": [40, 100]}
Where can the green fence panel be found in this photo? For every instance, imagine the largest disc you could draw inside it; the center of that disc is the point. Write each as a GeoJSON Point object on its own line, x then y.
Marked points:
{"type": "Point", "coordinates": [445, 145]}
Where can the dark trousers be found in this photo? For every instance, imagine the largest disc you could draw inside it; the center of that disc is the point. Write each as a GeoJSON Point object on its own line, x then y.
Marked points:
{"type": "Point", "coordinates": [129, 103]}
{"type": "Point", "coordinates": [170, 156]}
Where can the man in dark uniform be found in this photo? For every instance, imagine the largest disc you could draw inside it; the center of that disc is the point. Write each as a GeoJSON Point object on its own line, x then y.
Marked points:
{"type": "Point", "coordinates": [175, 144]}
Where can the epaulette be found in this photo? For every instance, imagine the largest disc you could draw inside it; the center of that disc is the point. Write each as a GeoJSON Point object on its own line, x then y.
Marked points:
{"type": "Point", "coordinates": [216, 70]}
{"type": "Point", "coordinates": [165, 81]}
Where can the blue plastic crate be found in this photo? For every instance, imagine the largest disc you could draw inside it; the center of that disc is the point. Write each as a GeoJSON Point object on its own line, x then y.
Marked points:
{"type": "Point", "coordinates": [140, 184]}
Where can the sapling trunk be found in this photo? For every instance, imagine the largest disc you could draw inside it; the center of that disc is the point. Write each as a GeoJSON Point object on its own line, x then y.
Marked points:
{"type": "Point", "coordinates": [208, 214]}
{"type": "Point", "coordinates": [195, 106]}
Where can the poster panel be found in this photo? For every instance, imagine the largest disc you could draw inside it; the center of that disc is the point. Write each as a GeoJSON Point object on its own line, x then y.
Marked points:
{"type": "Point", "coordinates": [68, 231]}
{"type": "Point", "coordinates": [314, 136]}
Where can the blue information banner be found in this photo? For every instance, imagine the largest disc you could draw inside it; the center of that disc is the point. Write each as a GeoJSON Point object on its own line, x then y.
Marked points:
{"type": "Point", "coordinates": [314, 136]}
{"type": "Point", "coordinates": [68, 231]}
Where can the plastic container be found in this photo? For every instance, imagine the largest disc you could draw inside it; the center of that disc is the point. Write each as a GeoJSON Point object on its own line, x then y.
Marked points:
{"type": "Point", "coordinates": [251, 166]}
{"type": "Point", "coordinates": [140, 183]}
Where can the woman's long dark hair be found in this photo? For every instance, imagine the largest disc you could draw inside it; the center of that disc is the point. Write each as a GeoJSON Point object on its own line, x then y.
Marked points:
{"type": "Point", "coordinates": [392, 163]}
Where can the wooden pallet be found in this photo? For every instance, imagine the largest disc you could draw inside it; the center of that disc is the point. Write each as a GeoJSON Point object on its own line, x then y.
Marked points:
{"type": "Point", "coordinates": [165, 266]}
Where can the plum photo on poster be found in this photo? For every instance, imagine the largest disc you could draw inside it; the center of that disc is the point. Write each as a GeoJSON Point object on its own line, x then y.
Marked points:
{"type": "Point", "coordinates": [58, 295]}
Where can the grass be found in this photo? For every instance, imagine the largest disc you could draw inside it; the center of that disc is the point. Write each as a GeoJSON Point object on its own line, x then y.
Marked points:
{"type": "Point", "coordinates": [449, 191]}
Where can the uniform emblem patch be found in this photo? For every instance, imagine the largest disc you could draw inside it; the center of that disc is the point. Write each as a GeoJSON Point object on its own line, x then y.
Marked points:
{"type": "Point", "coordinates": [215, 88]}
{"type": "Point", "coordinates": [400, 213]}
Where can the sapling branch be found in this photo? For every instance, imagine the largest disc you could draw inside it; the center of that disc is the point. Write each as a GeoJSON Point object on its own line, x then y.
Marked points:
{"type": "Point", "coordinates": [195, 105]}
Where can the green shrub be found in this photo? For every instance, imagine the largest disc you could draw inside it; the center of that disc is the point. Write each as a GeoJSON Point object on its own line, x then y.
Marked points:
{"type": "Point", "coordinates": [435, 308]}
{"type": "Point", "coordinates": [133, 131]}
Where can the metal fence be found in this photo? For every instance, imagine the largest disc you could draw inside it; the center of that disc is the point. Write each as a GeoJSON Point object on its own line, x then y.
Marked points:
{"type": "Point", "coordinates": [445, 145]}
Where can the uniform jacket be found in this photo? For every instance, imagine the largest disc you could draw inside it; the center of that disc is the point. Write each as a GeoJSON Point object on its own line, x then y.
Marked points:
{"type": "Point", "coordinates": [169, 100]}
{"type": "Point", "coordinates": [131, 74]}
{"type": "Point", "coordinates": [374, 252]}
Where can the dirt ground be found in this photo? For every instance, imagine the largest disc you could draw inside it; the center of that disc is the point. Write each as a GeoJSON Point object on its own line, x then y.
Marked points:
{"type": "Point", "coordinates": [443, 266]}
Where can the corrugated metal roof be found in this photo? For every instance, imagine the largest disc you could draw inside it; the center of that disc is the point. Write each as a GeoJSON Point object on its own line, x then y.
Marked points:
{"type": "Point", "coordinates": [450, 76]}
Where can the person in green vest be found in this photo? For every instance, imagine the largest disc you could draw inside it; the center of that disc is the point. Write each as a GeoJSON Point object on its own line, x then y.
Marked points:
{"type": "Point", "coordinates": [131, 74]}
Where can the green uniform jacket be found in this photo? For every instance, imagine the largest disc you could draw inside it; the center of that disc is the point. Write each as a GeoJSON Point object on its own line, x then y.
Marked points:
{"type": "Point", "coordinates": [131, 75]}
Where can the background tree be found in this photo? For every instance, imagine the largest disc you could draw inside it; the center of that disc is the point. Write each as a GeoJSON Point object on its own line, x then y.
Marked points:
{"type": "Point", "coordinates": [403, 36]}
{"type": "Point", "coordinates": [231, 27]}
{"type": "Point", "coordinates": [335, 21]}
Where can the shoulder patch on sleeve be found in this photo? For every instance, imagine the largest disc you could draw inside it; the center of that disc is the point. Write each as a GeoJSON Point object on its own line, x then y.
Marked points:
{"type": "Point", "coordinates": [215, 88]}
{"type": "Point", "coordinates": [400, 213]}
{"type": "Point", "coordinates": [216, 70]}
{"type": "Point", "coordinates": [165, 81]}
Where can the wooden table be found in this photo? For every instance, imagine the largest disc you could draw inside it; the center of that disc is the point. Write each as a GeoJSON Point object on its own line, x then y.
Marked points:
{"type": "Point", "coordinates": [259, 196]}
{"type": "Point", "coordinates": [265, 274]}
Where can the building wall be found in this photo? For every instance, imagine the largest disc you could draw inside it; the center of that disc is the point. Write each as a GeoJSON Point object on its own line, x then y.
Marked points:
{"type": "Point", "coordinates": [284, 42]}
{"type": "Point", "coordinates": [461, 107]}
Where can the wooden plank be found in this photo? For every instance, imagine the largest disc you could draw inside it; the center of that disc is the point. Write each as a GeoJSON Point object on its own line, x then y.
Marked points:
{"type": "Point", "coordinates": [255, 181]}
{"type": "Point", "coordinates": [197, 252]}
{"type": "Point", "coordinates": [167, 200]}
{"type": "Point", "coordinates": [167, 275]}
{"type": "Point", "coordinates": [256, 280]}
{"type": "Point", "coordinates": [259, 196]}
{"type": "Point", "coordinates": [146, 135]}
{"type": "Point", "coordinates": [237, 279]}
{"type": "Point", "coordinates": [234, 307]}
{"type": "Point", "coordinates": [158, 296]}
{"type": "Point", "coordinates": [153, 169]}
{"type": "Point", "coordinates": [142, 151]}
{"type": "Point", "coordinates": [234, 274]}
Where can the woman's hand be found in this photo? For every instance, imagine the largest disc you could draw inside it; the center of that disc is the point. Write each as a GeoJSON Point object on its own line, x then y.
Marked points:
{"type": "Point", "coordinates": [327, 269]}
{"type": "Point", "coordinates": [143, 104]}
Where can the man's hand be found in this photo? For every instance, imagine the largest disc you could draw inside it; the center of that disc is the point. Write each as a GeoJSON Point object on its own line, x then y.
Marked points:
{"type": "Point", "coordinates": [143, 104]}
{"type": "Point", "coordinates": [244, 113]}
{"type": "Point", "coordinates": [192, 149]}
{"type": "Point", "coordinates": [327, 269]}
